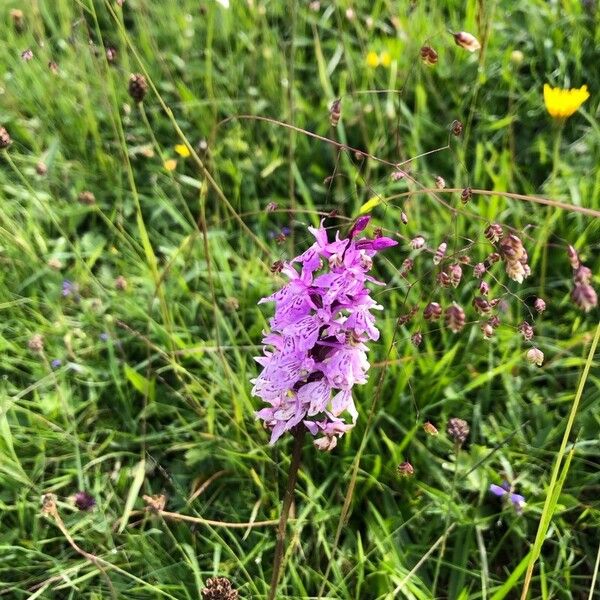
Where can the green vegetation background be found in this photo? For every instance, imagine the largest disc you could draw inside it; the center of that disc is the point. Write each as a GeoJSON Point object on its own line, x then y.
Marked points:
{"type": "Point", "coordinates": [153, 394]}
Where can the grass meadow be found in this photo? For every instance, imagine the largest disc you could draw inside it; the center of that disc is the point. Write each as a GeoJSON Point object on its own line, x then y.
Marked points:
{"type": "Point", "coordinates": [137, 238]}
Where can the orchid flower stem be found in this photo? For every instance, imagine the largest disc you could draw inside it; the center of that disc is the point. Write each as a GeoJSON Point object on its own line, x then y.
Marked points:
{"type": "Point", "coordinates": [285, 510]}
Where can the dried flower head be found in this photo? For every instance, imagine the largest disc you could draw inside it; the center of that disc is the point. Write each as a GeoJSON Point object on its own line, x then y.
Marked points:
{"type": "Point", "coordinates": [41, 169]}
{"type": "Point", "coordinates": [18, 19]}
{"type": "Point", "coordinates": [440, 182]}
{"type": "Point", "coordinates": [466, 195]}
{"type": "Point", "coordinates": [458, 430]}
{"type": "Point", "coordinates": [526, 330]}
{"type": "Point", "coordinates": [417, 242]}
{"type": "Point", "coordinates": [138, 86]}
{"type": "Point", "coordinates": [467, 41]}
{"type": "Point", "coordinates": [219, 588]}
{"type": "Point", "coordinates": [455, 273]}
{"type": "Point", "coordinates": [443, 279]}
{"type": "Point", "coordinates": [36, 343]}
{"type": "Point", "coordinates": [84, 500]}
{"type": "Point", "coordinates": [484, 288]}
{"type": "Point", "coordinates": [455, 317]}
{"type": "Point", "coordinates": [432, 312]}
{"type": "Point", "coordinates": [584, 295]}
{"type": "Point", "coordinates": [397, 175]}
{"type": "Point", "coordinates": [479, 270]}
{"type": "Point", "coordinates": [493, 232]}
{"type": "Point", "coordinates": [582, 274]}
{"type": "Point", "coordinates": [232, 304]}
{"type": "Point", "coordinates": [86, 197]}
{"type": "Point", "coordinates": [440, 253]}
{"type": "Point", "coordinates": [562, 103]}
{"type": "Point", "coordinates": [5, 140]}
{"type": "Point", "coordinates": [481, 305]}
{"type": "Point", "coordinates": [456, 127]}
{"type": "Point", "coordinates": [53, 66]}
{"type": "Point", "coordinates": [430, 428]}
{"type": "Point", "coordinates": [335, 112]}
{"type": "Point", "coordinates": [539, 305]}
{"type": "Point", "coordinates": [416, 338]}
{"type": "Point", "coordinates": [55, 263]}
{"type": "Point", "coordinates": [405, 469]}
{"type": "Point", "coordinates": [535, 356]}
{"type": "Point", "coordinates": [407, 265]}
{"type": "Point", "coordinates": [428, 55]}
{"type": "Point", "coordinates": [155, 503]}
{"type": "Point", "coordinates": [27, 55]}
{"type": "Point", "coordinates": [487, 330]}
{"type": "Point", "coordinates": [316, 350]}
{"type": "Point", "coordinates": [121, 283]}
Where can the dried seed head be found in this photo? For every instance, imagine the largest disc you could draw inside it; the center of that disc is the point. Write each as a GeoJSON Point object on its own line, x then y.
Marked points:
{"type": "Point", "coordinates": [121, 283]}
{"type": "Point", "coordinates": [458, 430]}
{"type": "Point", "coordinates": [49, 505]}
{"type": "Point", "coordinates": [467, 41]}
{"type": "Point", "coordinates": [111, 54]}
{"type": "Point", "coordinates": [428, 55]}
{"type": "Point", "coordinates": [417, 242]}
{"type": "Point", "coordinates": [27, 55]}
{"type": "Point", "coordinates": [155, 503]}
{"type": "Point", "coordinates": [404, 217]}
{"type": "Point", "coordinates": [479, 270]}
{"type": "Point", "coordinates": [493, 232]}
{"type": "Point", "coordinates": [5, 140]}
{"type": "Point", "coordinates": [219, 588]}
{"type": "Point", "coordinates": [526, 330]}
{"type": "Point", "coordinates": [86, 197]}
{"type": "Point", "coordinates": [405, 318]}
{"type": "Point", "coordinates": [585, 296]}
{"type": "Point", "coordinates": [512, 247]}
{"type": "Point", "coordinates": [466, 195]}
{"type": "Point", "coordinates": [138, 86]}
{"type": "Point", "coordinates": [464, 259]}
{"type": "Point", "coordinates": [315, 6]}
{"type": "Point", "coordinates": [277, 266]}
{"type": "Point", "coordinates": [231, 304]}
{"type": "Point", "coordinates": [516, 270]}
{"type": "Point", "coordinates": [18, 19]}
{"type": "Point", "coordinates": [494, 302]}
{"type": "Point", "coordinates": [582, 274]}
{"type": "Point", "coordinates": [443, 279]}
{"type": "Point", "coordinates": [36, 343]}
{"type": "Point", "coordinates": [487, 330]}
{"type": "Point", "coordinates": [41, 169]}
{"type": "Point", "coordinates": [535, 356]}
{"type": "Point", "coordinates": [481, 305]}
{"type": "Point", "coordinates": [54, 263]}
{"type": "Point", "coordinates": [440, 253]}
{"type": "Point", "coordinates": [432, 312]}
{"type": "Point", "coordinates": [407, 266]}
{"type": "Point", "coordinates": [397, 175]}
{"type": "Point", "coordinates": [494, 321]}
{"type": "Point", "coordinates": [455, 273]}
{"type": "Point", "coordinates": [440, 182]}
{"type": "Point", "coordinates": [430, 428]}
{"type": "Point", "coordinates": [271, 207]}
{"type": "Point", "coordinates": [539, 305]}
{"type": "Point", "coordinates": [335, 112]}
{"type": "Point", "coordinates": [53, 66]}
{"type": "Point", "coordinates": [456, 127]}
{"type": "Point", "coordinates": [491, 259]}
{"type": "Point", "coordinates": [455, 317]}
{"type": "Point", "coordinates": [416, 338]}
{"type": "Point", "coordinates": [484, 288]}
{"type": "Point", "coordinates": [405, 469]}
{"type": "Point", "coordinates": [573, 256]}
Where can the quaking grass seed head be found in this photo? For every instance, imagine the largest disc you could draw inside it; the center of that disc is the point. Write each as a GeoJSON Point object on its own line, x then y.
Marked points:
{"type": "Point", "coordinates": [138, 87]}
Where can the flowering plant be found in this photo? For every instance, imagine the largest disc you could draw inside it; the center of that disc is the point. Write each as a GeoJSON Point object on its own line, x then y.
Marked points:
{"type": "Point", "coordinates": [316, 350]}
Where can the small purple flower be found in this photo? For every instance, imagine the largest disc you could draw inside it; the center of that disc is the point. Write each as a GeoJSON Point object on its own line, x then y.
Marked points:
{"type": "Point", "coordinates": [70, 290]}
{"type": "Point", "coordinates": [84, 500]}
{"type": "Point", "coordinates": [56, 363]}
{"type": "Point", "coordinates": [504, 490]}
{"type": "Point", "coordinates": [316, 350]}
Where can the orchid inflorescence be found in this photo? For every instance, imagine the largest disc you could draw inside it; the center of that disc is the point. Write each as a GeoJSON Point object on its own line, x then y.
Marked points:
{"type": "Point", "coordinates": [316, 350]}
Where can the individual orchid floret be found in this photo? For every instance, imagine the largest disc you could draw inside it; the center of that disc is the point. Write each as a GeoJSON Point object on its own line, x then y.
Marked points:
{"type": "Point", "coordinates": [316, 350]}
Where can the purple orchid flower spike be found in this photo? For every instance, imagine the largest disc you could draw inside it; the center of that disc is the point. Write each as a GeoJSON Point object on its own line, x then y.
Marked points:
{"type": "Point", "coordinates": [503, 490]}
{"type": "Point", "coordinates": [316, 350]}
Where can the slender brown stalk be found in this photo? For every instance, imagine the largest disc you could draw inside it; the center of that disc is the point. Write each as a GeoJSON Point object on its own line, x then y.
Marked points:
{"type": "Point", "coordinates": [285, 510]}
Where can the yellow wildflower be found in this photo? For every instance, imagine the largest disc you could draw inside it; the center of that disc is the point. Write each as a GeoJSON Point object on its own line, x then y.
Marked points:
{"type": "Point", "coordinates": [372, 59]}
{"type": "Point", "coordinates": [170, 164]}
{"type": "Point", "coordinates": [182, 150]}
{"type": "Point", "coordinates": [385, 60]}
{"type": "Point", "coordinates": [562, 103]}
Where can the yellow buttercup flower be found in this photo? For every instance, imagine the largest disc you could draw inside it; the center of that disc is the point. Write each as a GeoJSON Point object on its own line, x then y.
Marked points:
{"type": "Point", "coordinates": [562, 103]}
{"type": "Point", "coordinates": [170, 164]}
{"type": "Point", "coordinates": [385, 60]}
{"type": "Point", "coordinates": [372, 59]}
{"type": "Point", "coordinates": [182, 150]}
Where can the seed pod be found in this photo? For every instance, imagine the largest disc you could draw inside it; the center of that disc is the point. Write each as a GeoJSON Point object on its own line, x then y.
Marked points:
{"type": "Point", "coordinates": [53, 66]}
{"type": "Point", "coordinates": [405, 469]}
{"type": "Point", "coordinates": [539, 305]}
{"type": "Point", "coordinates": [526, 331]}
{"type": "Point", "coordinates": [491, 259]}
{"type": "Point", "coordinates": [456, 127]}
{"type": "Point", "coordinates": [487, 330]}
{"type": "Point", "coordinates": [417, 242]}
{"type": "Point", "coordinates": [512, 247]}
{"type": "Point", "coordinates": [455, 318]}
{"type": "Point", "coordinates": [86, 197]}
{"type": "Point", "coordinates": [430, 428]}
{"type": "Point", "coordinates": [219, 588]}
{"type": "Point", "coordinates": [138, 87]}
{"type": "Point", "coordinates": [277, 266]}
{"type": "Point", "coordinates": [405, 318]}
{"type": "Point", "coordinates": [398, 174]}
{"type": "Point", "coordinates": [40, 168]}
{"type": "Point", "coordinates": [535, 356]}
{"type": "Point", "coordinates": [484, 288]}
{"type": "Point", "coordinates": [404, 217]}
{"type": "Point", "coordinates": [428, 55]}
{"type": "Point", "coordinates": [111, 54]}
{"type": "Point", "coordinates": [440, 253]}
{"type": "Point", "coordinates": [466, 195]}
{"type": "Point", "coordinates": [479, 270]}
{"type": "Point", "coordinates": [335, 112]}
{"type": "Point", "coordinates": [416, 338]}
{"type": "Point", "coordinates": [407, 266]}
{"type": "Point", "coordinates": [585, 296]}
{"type": "Point", "coordinates": [464, 259]}
{"type": "Point", "coordinates": [458, 430]}
{"type": "Point", "coordinates": [443, 279]}
{"type": "Point", "coordinates": [121, 283]}
{"type": "Point", "coordinates": [432, 312]}
{"type": "Point", "coordinates": [481, 305]}
{"type": "Point", "coordinates": [27, 55]}
{"type": "Point", "coordinates": [5, 140]}
{"type": "Point", "coordinates": [493, 232]}
{"type": "Point", "coordinates": [36, 343]}
{"type": "Point", "coordinates": [271, 207]}
{"type": "Point", "coordinates": [440, 182]}
{"type": "Point", "coordinates": [467, 41]}
{"type": "Point", "coordinates": [455, 275]}
{"type": "Point", "coordinates": [494, 321]}
{"type": "Point", "coordinates": [516, 270]}
{"type": "Point", "coordinates": [573, 256]}
{"type": "Point", "coordinates": [582, 274]}
{"type": "Point", "coordinates": [494, 302]}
